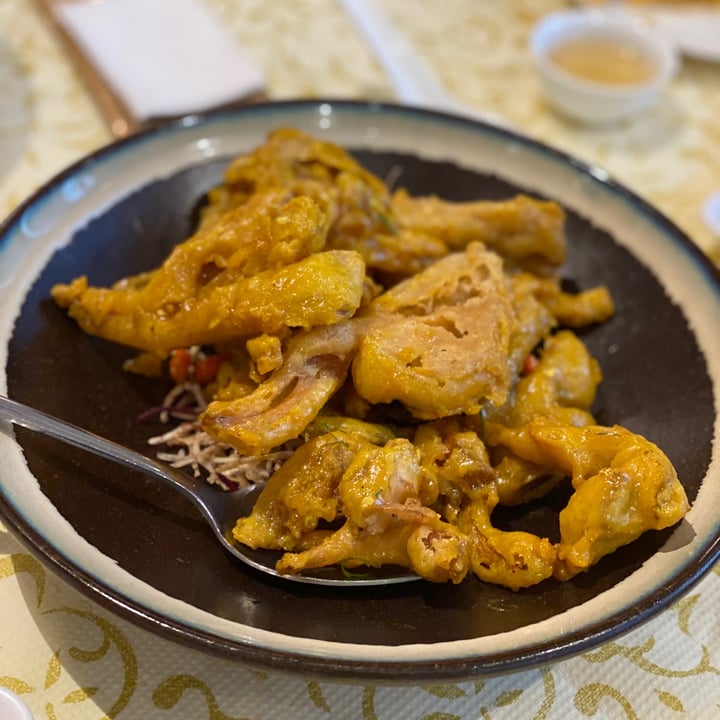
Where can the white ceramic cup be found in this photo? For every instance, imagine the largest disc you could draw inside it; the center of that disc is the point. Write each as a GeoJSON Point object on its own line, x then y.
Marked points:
{"type": "Point", "coordinates": [12, 707]}
{"type": "Point", "coordinates": [592, 101]}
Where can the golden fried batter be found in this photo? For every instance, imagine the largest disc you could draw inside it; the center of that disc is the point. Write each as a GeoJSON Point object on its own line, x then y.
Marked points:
{"type": "Point", "coordinates": [301, 494]}
{"type": "Point", "coordinates": [381, 494]}
{"type": "Point", "coordinates": [527, 232]}
{"type": "Point", "coordinates": [573, 310]}
{"type": "Point", "coordinates": [443, 348]}
{"type": "Point", "coordinates": [468, 492]}
{"type": "Point", "coordinates": [279, 409]}
{"type": "Point", "coordinates": [321, 289]}
{"type": "Point", "coordinates": [624, 485]}
{"type": "Point", "coordinates": [561, 389]}
{"type": "Point", "coordinates": [415, 356]}
{"type": "Point", "coordinates": [515, 559]}
{"type": "Point", "coordinates": [352, 198]}
{"type": "Point", "coordinates": [258, 269]}
{"type": "Point", "coordinates": [452, 452]}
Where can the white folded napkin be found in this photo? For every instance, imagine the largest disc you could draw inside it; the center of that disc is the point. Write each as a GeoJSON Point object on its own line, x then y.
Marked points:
{"type": "Point", "coordinates": [163, 58]}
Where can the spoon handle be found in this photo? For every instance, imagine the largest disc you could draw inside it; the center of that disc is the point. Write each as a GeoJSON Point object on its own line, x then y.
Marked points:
{"type": "Point", "coordinates": [213, 504]}
{"type": "Point", "coordinates": [19, 414]}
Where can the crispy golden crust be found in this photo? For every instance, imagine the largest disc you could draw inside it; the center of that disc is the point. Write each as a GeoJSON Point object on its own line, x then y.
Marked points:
{"type": "Point", "coordinates": [408, 354]}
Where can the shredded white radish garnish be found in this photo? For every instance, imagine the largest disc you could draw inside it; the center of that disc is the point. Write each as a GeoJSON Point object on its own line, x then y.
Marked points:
{"type": "Point", "coordinates": [189, 446]}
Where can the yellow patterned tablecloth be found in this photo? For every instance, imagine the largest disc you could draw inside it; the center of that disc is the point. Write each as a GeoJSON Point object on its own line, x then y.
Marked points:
{"type": "Point", "coordinates": [68, 658]}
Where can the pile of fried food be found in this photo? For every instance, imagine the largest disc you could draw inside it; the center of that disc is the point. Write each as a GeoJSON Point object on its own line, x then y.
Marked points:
{"type": "Point", "coordinates": [419, 353]}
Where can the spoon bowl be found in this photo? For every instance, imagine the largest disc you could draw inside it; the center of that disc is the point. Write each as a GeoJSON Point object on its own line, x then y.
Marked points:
{"type": "Point", "coordinates": [221, 509]}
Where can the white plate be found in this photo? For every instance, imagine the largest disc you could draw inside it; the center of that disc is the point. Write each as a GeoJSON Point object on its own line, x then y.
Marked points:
{"type": "Point", "coordinates": [134, 549]}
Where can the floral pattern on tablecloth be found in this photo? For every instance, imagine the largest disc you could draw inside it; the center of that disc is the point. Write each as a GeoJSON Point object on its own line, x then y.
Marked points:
{"type": "Point", "coordinates": [75, 660]}
{"type": "Point", "coordinates": [70, 659]}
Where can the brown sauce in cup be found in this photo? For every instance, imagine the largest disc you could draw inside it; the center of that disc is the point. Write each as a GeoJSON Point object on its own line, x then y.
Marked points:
{"type": "Point", "coordinates": [604, 60]}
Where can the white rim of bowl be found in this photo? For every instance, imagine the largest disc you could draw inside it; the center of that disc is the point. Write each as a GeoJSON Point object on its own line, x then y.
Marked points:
{"type": "Point", "coordinates": [375, 126]}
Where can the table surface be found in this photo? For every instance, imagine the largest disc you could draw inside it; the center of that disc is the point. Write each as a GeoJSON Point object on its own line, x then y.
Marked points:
{"type": "Point", "coordinates": [69, 658]}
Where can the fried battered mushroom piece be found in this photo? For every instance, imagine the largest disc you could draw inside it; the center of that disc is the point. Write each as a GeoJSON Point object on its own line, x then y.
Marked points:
{"type": "Point", "coordinates": [453, 454]}
{"type": "Point", "coordinates": [356, 202]}
{"type": "Point", "coordinates": [272, 230]}
{"type": "Point", "coordinates": [540, 305]}
{"type": "Point", "coordinates": [299, 495]}
{"type": "Point", "coordinates": [467, 494]}
{"type": "Point", "coordinates": [321, 289]}
{"type": "Point", "coordinates": [527, 232]}
{"type": "Point", "coordinates": [572, 310]}
{"type": "Point", "coordinates": [259, 268]}
{"type": "Point", "coordinates": [533, 323]}
{"type": "Point", "coordinates": [439, 552]}
{"type": "Point", "coordinates": [382, 497]}
{"type": "Point", "coordinates": [561, 388]}
{"type": "Point", "coordinates": [392, 255]}
{"type": "Point", "coordinates": [315, 366]}
{"type": "Point", "coordinates": [514, 559]}
{"type": "Point", "coordinates": [443, 347]}
{"type": "Point", "coordinates": [351, 197]}
{"type": "Point", "coordinates": [623, 486]}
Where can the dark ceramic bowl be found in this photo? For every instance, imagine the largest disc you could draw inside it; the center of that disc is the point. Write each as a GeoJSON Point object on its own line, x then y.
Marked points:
{"type": "Point", "coordinates": [139, 549]}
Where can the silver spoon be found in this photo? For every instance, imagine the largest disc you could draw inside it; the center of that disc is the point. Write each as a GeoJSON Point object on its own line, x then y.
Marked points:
{"type": "Point", "coordinates": [220, 509]}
